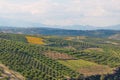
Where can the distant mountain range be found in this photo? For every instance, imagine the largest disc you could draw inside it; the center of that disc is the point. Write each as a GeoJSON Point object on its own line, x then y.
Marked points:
{"type": "Point", "coordinates": [87, 27]}
{"type": "Point", "coordinates": [115, 27]}
{"type": "Point", "coordinates": [61, 32]}
{"type": "Point", "coordinates": [69, 27]}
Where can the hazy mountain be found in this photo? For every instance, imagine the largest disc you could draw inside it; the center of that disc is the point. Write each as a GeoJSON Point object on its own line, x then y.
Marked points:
{"type": "Point", "coordinates": [21, 23]}
{"type": "Point", "coordinates": [63, 32]}
{"type": "Point", "coordinates": [88, 27]}
{"type": "Point", "coordinates": [114, 27]}
{"type": "Point", "coordinates": [79, 27]}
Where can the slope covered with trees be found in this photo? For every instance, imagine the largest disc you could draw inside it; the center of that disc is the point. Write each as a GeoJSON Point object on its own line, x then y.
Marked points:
{"type": "Point", "coordinates": [61, 58]}
{"type": "Point", "coordinates": [29, 61]}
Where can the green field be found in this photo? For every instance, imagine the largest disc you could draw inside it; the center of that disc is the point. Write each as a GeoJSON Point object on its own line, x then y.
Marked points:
{"type": "Point", "coordinates": [86, 67]}
{"type": "Point", "coordinates": [76, 64]}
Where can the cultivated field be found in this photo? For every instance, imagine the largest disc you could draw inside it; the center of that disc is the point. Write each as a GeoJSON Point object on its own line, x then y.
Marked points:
{"type": "Point", "coordinates": [86, 67]}
{"type": "Point", "coordinates": [35, 40]}
{"type": "Point", "coordinates": [57, 55]}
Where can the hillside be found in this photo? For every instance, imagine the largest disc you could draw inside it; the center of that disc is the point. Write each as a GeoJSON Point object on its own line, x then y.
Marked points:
{"type": "Point", "coordinates": [60, 57]}
{"type": "Point", "coordinates": [7, 74]}
{"type": "Point", "coordinates": [115, 37]}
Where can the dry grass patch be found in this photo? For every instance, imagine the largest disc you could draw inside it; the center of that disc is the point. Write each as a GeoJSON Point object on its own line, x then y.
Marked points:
{"type": "Point", "coordinates": [81, 37]}
{"type": "Point", "coordinates": [57, 55]}
{"type": "Point", "coordinates": [35, 40]}
{"type": "Point", "coordinates": [69, 38]}
{"type": "Point", "coordinates": [111, 42]}
{"type": "Point", "coordinates": [77, 37]}
{"type": "Point", "coordinates": [94, 50]}
{"type": "Point", "coordinates": [93, 70]}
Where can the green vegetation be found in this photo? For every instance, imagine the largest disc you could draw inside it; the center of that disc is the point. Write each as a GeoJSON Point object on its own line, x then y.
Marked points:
{"type": "Point", "coordinates": [86, 67]}
{"type": "Point", "coordinates": [61, 58]}
{"type": "Point", "coordinates": [13, 37]}
{"type": "Point", "coordinates": [101, 53]}
{"type": "Point", "coordinates": [77, 64]}
{"type": "Point", "coordinates": [29, 61]}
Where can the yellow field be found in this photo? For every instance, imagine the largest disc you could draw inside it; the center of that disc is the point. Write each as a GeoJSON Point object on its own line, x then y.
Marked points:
{"type": "Point", "coordinates": [35, 40]}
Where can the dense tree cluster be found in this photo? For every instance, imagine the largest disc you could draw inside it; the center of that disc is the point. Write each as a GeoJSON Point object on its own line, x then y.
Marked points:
{"type": "Point", "coordinates": [29, 61]}
{"type": "Point", "coordinates": [13, 37]}
{"type": "Point", "coordinates": [66, 43]}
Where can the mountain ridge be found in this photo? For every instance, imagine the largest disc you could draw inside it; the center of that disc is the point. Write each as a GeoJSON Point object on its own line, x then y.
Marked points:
{"type": "Point", "coordinates": [60, 32]}
{"type": "Point", "coordinates": [70, 27]}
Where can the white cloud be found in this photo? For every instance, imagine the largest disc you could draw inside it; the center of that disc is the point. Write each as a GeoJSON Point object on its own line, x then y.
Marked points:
{"type": "Point", "coordinates": [62, 12]}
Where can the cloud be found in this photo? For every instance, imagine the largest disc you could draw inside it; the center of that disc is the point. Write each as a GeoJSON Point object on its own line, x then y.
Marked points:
{"type": "Point", "coordinates": [62, 12]}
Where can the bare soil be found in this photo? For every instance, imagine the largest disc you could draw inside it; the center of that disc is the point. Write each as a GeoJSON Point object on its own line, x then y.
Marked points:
{"type": "Point", "coordinates": [11, 75]}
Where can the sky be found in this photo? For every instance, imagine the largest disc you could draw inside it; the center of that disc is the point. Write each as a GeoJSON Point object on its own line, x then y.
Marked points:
{"type": "Point", "coordinates": [59, 12]}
